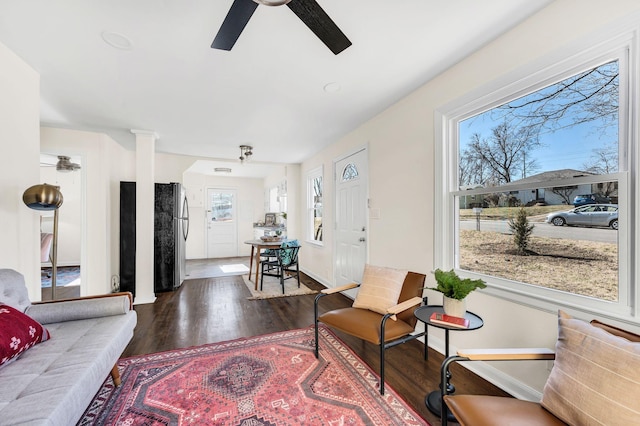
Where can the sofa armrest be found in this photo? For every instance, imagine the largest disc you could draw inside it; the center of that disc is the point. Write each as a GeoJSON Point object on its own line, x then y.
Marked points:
{"type": "Point", "coordinates": [80, 308]}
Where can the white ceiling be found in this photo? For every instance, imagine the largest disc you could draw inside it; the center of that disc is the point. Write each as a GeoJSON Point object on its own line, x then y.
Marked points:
{"type": "Point", "coordinates": [267, 92]}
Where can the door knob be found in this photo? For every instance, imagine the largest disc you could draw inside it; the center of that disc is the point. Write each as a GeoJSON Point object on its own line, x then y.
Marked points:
{"type": "Point", "coordinates": [362, 240]}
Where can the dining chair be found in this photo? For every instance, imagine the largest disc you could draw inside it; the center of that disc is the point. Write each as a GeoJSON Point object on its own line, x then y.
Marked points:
{"type": "Point", "coordinates": [284, 265]}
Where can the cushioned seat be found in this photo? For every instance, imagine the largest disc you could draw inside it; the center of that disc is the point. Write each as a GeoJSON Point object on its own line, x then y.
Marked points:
{"type": "Point", "coordinates": [365, 324]}
{"type": "Point", "coordinates": [484, 410]}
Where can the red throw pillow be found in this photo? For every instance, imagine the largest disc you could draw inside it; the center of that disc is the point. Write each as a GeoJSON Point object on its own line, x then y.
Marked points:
{"type": "Point", "coordinates": [18, 332]}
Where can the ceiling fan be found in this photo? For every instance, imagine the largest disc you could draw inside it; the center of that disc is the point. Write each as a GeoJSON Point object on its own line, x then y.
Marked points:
{"type": "Point", "coordinates": [309, 11]}
{"type": "Point", "coordinates": [64, 164]}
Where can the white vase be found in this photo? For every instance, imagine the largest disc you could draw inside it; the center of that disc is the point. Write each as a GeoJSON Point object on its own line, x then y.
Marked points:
{"type": "Point", "coordinates": [454, 307]}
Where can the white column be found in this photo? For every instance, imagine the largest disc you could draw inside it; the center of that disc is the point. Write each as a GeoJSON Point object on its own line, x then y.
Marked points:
{"type": "Point", "coordinates": [145, 194]}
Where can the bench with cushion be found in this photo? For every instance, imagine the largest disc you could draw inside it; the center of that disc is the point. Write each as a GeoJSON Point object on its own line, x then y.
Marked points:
{"type": "Point", "coordinates": [595, 380]}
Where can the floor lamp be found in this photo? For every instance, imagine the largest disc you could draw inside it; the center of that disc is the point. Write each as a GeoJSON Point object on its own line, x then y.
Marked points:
{"type": "Point", "coordinates": [46, 198]}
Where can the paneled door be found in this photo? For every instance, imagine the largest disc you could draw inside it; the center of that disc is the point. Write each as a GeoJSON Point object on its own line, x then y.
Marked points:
{"type": "Point", "coordinates": [222, 223]}
{"type": "Point", "coordinates": [351, 183]}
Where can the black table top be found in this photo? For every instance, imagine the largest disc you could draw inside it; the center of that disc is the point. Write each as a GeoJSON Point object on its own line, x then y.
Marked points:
{"type": "Point", "coordinates": [423, 313]}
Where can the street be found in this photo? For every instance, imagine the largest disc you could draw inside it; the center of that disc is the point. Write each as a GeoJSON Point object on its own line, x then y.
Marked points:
{"type": "Point", "coordinates": [542, 229]}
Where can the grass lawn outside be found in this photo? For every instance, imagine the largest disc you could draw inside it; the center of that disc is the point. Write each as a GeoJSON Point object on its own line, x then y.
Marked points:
{"type": "Point", "coordinates": [580, 267]}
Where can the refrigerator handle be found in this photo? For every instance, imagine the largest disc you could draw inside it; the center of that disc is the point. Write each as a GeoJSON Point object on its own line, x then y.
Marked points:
{"type": "Point", "coordinates": [185, 218]}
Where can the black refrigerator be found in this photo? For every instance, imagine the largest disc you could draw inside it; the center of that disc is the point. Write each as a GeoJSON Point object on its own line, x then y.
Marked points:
{"type": "Point", "coordinates": [171, 229]}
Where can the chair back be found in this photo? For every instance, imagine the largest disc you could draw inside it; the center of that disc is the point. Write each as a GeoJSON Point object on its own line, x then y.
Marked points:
{"type": "Point", "coordinates": [412, 287]}
{"type": "Point", "coordinates": [288, 253]}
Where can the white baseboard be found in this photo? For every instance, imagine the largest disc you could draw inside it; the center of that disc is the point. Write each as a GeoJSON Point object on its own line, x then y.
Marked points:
{"type": "Point", "coordinates": [139, 301]}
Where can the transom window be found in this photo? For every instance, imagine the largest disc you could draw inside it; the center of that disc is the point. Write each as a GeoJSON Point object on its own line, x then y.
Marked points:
{"type": "Point", "coordinates": [553, 144]}
{"type": "Point", "coordinates": [350, 172]}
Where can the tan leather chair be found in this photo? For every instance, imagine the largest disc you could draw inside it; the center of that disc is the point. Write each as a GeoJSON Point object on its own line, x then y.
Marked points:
{"type": "Point", "coordinates": [374, 327]}
{"type": "Point", "coordinates": [484, 410]}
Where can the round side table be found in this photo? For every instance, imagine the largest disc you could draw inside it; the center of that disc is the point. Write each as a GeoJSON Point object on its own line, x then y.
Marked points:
{"type": "Point", "coordinates": [434, 399]}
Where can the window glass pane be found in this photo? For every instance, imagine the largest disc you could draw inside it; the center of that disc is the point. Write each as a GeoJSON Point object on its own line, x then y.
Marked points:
{"type": "Point", "coordinates": [221, 207]}
{"type": "Point", "coordinates": [317, 208]}
{"type": "Point", "coordinates": [572, 124]}
{"type": "Point", "coordinates": [350, 172]}
{"type": "Point", "coordinates": [541, 156]}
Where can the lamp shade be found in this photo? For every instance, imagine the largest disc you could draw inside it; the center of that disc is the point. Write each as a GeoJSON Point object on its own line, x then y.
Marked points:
{"type": "Point", "coordinates": [43, 197]}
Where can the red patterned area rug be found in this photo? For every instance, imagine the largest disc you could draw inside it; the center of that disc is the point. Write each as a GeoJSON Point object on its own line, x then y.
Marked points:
{"type": "Point", "coordinates": [266, 380]}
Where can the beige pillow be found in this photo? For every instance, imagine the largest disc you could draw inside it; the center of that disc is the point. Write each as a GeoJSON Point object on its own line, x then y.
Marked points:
{"type": "Point", "coordinates": [380, 288]}
{"type": "Point", "coordinates": [595, 379]}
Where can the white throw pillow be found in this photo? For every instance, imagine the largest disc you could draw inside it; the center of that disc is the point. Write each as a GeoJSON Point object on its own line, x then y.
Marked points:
{"type": "Point", "coordinates": [380, 288]}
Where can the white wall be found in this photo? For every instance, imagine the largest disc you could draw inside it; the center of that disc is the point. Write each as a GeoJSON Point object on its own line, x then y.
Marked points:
{"type": "Point", "coordinates": [401, 155]}
{"type": "Point", "coordinates": [103, 162]}
{"type": "Point", "coordinates": [250, 193]}
{"type": "Point", "coordinates": [19, 168]}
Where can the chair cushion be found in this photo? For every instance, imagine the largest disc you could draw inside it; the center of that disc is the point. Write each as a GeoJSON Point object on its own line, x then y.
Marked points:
{"type": "Point", "coordinates": [288, 254]}
{"type": "Point", "coordinates": [380, 288]}
{"type": "Point", "coordinates": [595, 378]}
{"type": "Point", "coordinates": [18, 332]}
{"type": "Point", "coordinates": [365, 324]}
{"type": "Point", "coordinates": [483, 410]}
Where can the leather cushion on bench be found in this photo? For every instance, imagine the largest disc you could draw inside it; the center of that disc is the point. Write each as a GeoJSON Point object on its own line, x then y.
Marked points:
{"type": "Point", "coordinates": [484, 410]}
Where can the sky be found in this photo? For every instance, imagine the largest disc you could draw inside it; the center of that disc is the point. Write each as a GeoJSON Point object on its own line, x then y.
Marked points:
{"type": "Point", "coordinates": [569, 147]}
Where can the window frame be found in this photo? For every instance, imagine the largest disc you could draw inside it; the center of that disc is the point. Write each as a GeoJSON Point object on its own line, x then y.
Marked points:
{"type": "Point", "coordinates": [607, 45]}
{"type": "Point", "coordinates": [311, 176]}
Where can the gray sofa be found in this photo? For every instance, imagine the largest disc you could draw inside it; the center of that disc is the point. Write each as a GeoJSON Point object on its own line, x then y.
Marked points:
{"type": "Point", "coordinates": [53, 382]}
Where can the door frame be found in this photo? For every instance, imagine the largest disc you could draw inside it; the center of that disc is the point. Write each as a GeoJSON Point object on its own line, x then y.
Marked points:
{"type": "Point", "coordinates": [335, 172]}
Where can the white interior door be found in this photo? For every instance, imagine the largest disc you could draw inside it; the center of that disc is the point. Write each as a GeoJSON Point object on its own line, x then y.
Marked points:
{"type": "Point", "coordinates": [351, 183]}
{"type": "Point", "coordinates": [222, 223]}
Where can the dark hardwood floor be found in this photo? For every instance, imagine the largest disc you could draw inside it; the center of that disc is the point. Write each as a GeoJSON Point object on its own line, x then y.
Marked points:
{"type": "Point", "coordinates": [216, 309]}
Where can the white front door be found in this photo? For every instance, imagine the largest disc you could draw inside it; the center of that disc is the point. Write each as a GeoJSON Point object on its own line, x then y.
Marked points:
{"type": "Point", "coordinates": [351, 183]}
{"type": "Point", "coordinates": [222, 223]}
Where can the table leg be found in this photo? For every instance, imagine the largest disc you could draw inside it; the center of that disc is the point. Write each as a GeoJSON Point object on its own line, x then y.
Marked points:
{"type": "Point", "coordinates": [251, 261]}
{"type": "Point", "coordinates": [258, 248]}
{"type": "Point", "coordinates": [433, 400]}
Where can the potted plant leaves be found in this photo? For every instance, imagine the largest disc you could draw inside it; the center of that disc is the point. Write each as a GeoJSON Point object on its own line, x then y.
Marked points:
{"type": "Point", "coordinates": [455, 290]}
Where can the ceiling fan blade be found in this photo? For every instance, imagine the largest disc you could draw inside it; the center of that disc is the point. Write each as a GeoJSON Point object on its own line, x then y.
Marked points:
{"type": "Point", "coordinates": [233, 24]}
{"type": "Point", "coordinates": [319, 22]}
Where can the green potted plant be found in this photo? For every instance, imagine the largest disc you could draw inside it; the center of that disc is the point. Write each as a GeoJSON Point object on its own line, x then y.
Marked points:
{"type": "Point", "coordinates": [454, 290]}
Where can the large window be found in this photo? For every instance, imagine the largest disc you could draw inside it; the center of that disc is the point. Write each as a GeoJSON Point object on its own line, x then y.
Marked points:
{"type": "Point", "coordinates": [553, 146]}
{"type": "Point", "coordinates": [314, 206]}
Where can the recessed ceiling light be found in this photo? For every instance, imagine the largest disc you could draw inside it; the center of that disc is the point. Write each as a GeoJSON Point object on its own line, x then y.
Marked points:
{"type": "Point", "coordinates": [116, 40]}
{"type": "Point", "coordinates": [332, 87]}
{"type": "Point", "coordinates": [222, 169]}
